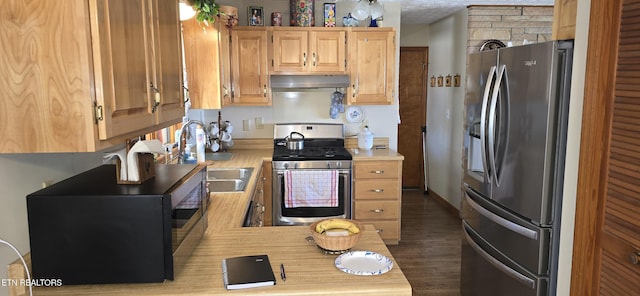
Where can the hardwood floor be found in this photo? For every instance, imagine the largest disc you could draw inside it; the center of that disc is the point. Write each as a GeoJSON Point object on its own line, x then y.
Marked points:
{"type": "Point", "coordinates": [429, 249]}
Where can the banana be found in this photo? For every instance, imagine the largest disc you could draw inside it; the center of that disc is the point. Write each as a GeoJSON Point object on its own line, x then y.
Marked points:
{"type": "Point", "coordinates": [337, 224]}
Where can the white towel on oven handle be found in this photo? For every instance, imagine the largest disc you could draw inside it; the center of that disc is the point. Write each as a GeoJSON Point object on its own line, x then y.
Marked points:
{"type": "Point", "coordinates": [310, 188]}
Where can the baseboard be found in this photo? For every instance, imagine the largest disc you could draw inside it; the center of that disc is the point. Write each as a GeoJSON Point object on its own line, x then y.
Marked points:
{"type": "Point", "coordinates": [443, 202]}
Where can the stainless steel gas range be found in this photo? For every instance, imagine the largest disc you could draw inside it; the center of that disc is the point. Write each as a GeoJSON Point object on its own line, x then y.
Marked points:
{"type": "Point", "coordinates": [312, 178]}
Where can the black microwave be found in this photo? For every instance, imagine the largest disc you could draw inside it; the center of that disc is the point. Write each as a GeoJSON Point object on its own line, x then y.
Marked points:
{"type": "Point", "coordinates": [90, 230]}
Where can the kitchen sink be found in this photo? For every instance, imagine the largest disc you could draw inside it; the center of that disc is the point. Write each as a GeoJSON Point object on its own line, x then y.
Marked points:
{"type": "Point", "coordinates": [228, 179]}
{"type": "Point", "coordinates": [241, 173]}
{"type": "Point", "coordinates": [218, 156]}
{"type": "Point", "coordinates": [232, 185]}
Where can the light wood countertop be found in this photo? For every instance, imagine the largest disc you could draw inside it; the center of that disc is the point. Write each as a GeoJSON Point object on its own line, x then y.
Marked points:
{"type": "Point", "coordinates": [375, 154]}
{"type": "Point", "coordinates": [227, 210]}
{"type": "Point", "coordinates": [309, 271]}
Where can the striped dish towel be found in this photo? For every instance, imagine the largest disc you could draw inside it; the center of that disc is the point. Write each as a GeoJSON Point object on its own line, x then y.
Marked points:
{"type": "Point", "coordinates": [308, 188]}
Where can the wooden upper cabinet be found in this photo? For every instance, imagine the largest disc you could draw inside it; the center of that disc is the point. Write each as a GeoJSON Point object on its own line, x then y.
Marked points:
{"type": "Point", "coordinates": [168, 63]}
{"type": "Point", "coordinates": [137, 58]}
{"type": "Point", "coordinates": [372, 54]}
{"type": "Point", "coordinates": [248, 67]}
{"type": "Point", "coordinates": [564, 19]}
{"type": "Point", "coordinates": [120, 33]}
{"type": "Point", "coordinates": [308, 50]}
{"type": "Point", "coordinates": [92, 81]}
{"type": "Point", "coordinates": [203, 63]}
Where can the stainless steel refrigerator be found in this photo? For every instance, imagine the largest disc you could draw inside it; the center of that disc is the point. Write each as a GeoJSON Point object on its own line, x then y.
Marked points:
{"type": "Point", "coordinates": [516, 104]}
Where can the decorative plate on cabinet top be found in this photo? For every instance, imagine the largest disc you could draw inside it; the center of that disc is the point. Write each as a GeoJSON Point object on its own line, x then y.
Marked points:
{"type": "Point", "coordinates": [354, 114]}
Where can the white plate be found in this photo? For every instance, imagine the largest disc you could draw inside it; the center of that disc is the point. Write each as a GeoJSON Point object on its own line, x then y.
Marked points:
{"type": "Point", "coordinates": [354, 114]}
{"type": "Point", "coordinates": [363, 263]}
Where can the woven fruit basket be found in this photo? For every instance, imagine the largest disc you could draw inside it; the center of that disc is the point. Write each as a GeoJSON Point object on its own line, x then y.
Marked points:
{"type": "Point", "coordinates": [336, 243]}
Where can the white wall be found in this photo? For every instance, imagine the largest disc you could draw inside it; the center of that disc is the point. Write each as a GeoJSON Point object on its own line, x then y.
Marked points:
{"type": "Point", "coordinates": [21, 174]}
{"type": "Point", "coordinates": [414, 35]}
{"type": "Point", "coordinates": [445, 107]}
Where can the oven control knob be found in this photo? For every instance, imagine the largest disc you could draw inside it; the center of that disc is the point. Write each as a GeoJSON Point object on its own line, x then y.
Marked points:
{"type": "Point", "coordinates": [338, 164]}
{"type": "Point", "coordinates": [295, 165]}
{"type": "Point", "coordinates": [286, 165]}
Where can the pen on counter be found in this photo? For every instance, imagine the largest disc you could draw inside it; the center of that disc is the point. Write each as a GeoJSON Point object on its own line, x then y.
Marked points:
{"type": "Point", "coordinates": [282, 274]}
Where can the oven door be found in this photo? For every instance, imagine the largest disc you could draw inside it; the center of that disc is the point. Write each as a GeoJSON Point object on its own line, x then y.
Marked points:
{"type": "Point", "coordinates": [307, 215]}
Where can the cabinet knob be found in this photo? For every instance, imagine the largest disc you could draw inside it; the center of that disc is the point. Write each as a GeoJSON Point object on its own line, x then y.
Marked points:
{"type": "Point", "coordinates": [635, 258]}
{"type": "Point", "coordinates": [264, 178]}
{"type": "Point", "coordinates": [377, 211]}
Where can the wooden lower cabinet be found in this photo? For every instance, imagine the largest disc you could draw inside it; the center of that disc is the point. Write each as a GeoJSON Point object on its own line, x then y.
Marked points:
{"type": "Point", "coordinates": [377, 196]}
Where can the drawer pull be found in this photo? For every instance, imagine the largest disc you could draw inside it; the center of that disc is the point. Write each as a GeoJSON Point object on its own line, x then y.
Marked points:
{"type": "Point", "coordinates": [377, 172]}
{"type": "Point", "coordinates": [379, 230]}
{"type": "Point", "coordinates": [377, 190]}
{"type": "Point", "coordinates": [377, 211]}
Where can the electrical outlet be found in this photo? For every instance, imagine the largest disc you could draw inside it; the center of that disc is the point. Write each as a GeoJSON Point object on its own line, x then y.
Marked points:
{"type": "Point", "coordinates": [259, 123]}
{"type": "Point", "coordinates": [245, 125]}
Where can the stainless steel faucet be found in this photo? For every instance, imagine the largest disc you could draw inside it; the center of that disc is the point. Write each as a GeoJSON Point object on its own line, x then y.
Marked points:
{"type": "Point", "coordinates": [185, 132]}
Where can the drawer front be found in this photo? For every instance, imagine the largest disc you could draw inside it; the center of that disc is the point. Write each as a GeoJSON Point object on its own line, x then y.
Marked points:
{"type": "Point", "coordinates": [376, 189]}
{"type": "Point", "coordinates": [376, 169]}
{"type": "Point", "coordinates": [388, 230]}
{"type": "Point", "coordinates": [374, 209]}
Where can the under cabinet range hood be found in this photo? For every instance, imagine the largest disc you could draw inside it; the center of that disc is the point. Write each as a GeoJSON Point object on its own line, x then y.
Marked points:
{"type": "Point", "coordinates": [308, 81]}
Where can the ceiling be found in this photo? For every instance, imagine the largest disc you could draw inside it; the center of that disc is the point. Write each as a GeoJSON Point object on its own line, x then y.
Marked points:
{"type": "Point", "coordinates": [429, 11]}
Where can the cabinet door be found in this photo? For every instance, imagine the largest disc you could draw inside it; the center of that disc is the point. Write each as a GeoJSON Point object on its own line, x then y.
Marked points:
{"type": "Point", "coordinates": [45, 77]}
{"type": "Point", "coordinates": [250, 81]}
{"type": "Point", "coordinates": [328, 51]}
{"type": "Point", "coordinates": [202, 64]}
{"type": "Point", "coordinates": [290, 51]}
{"type": "Point", "coordinates": [120, 30]}
{"type": "Point", "coordinates": [372, 58]}
{"type": "Point", "coordinates": [169, 105]}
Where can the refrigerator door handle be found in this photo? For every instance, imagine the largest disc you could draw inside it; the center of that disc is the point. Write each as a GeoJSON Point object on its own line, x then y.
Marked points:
{"type": "Point", "coordinates": [483, 120]}
{"type": "Point", "coordinates": [497, 264]}
{"type": "Point", "coordinates": [528, 233]}
{"type": "Point", "coordinates": [492, 123]}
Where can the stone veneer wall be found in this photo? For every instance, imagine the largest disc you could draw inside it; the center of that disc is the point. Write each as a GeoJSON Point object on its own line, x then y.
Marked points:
{"type": "Point", "coordinates": [508, 24]}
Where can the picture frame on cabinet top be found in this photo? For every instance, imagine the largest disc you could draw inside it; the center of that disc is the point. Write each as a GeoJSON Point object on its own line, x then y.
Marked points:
{"type": "Point", "coordinates": [255, 16]}
{"type": "Point", "coordinates": [330, 15]}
